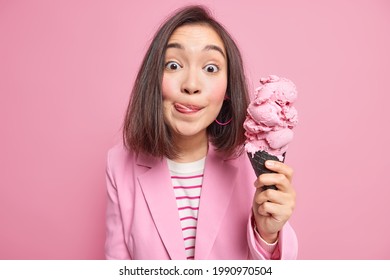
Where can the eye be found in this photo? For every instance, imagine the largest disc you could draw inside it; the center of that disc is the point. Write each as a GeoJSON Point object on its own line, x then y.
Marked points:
{"type": "Point", "coordinates": [172, 65]}
{"type": "Point", "coordinates": [211, 68]}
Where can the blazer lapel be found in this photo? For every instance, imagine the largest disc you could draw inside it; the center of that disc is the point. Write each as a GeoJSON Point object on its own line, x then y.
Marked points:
{"type": "Point", "coordinates": [157, 188]}
{"type": "Point", "coordinates": [216, 193]}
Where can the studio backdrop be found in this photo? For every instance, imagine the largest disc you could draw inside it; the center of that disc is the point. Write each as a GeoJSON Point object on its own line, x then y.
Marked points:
{"type": "Point", "coordinates": [66, 73]}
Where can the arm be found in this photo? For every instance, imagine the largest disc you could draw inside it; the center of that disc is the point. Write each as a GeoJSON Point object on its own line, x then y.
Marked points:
{"type": "Point", "coordinates": [286, 247]}
{"type": "Point", "coordinates": [271, 211]}
{"type": "Point", "coordinates": [115, 247]}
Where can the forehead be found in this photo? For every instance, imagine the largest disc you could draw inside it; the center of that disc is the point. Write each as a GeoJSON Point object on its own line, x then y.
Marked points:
{"type": "Point", "coordinates": [196, 33]}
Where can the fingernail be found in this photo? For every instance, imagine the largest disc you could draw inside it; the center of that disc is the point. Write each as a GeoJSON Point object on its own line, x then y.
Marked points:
{"type": "Point", "coordinates": [269, 163]}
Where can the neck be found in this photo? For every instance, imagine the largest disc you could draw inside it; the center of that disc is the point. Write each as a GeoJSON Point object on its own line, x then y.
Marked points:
{"type": "Point", "coordinates": [191, 148]}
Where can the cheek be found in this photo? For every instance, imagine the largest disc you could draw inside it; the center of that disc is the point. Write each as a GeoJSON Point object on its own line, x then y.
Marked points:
{"type": "Point", "coordinates": [219, 91]}
{"type": "Point", "coordinates": [167, 88]}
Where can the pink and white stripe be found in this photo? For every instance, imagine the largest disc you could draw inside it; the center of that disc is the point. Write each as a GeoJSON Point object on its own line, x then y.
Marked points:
{"type": "Point", "coordinates": [187, 185]}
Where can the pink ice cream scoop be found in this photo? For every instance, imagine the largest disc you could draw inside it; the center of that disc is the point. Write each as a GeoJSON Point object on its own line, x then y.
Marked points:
{"type": "Point", "coordinates": [271, 116]}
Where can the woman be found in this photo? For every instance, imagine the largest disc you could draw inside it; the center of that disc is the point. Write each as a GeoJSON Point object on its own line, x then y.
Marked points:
{"type": "Point", "coordinates": [180, 187]}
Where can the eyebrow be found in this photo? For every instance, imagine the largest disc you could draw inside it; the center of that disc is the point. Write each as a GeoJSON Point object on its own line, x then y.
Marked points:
{"type": "Point", "coordinates": [206, 48]}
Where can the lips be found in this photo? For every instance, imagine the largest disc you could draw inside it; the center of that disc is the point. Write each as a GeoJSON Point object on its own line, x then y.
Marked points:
{"type": "Point", "coordinates": [187, 108]}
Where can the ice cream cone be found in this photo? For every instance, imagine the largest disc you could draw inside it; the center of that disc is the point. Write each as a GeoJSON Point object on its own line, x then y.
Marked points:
{"type": "Point", "coordinates": [258, 163]}
{"type": "Point", "coordinates": [271, 116]}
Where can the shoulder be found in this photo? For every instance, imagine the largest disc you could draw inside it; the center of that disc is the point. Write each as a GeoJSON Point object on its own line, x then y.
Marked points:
{"type": "Point", "coordinates": [123, 160]}
{"type": "Point", "coordinates": [239, 161]}
{"type": "Point", "coordinates": [242, 162]}
{"type": "Point", "coordinates": [245, 167]}
{"type": "Point", "coordinates": [119, 154]}
{"type": "Point", "coordinates": [119, 158]}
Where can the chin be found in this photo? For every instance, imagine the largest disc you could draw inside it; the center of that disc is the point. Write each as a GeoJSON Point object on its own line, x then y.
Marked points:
{"type": "Point", "coordinates": [189, 131]}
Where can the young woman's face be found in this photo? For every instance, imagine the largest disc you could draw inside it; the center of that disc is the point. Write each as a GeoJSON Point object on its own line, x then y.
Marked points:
{"type": "Point", "coordinates": [194, 81]}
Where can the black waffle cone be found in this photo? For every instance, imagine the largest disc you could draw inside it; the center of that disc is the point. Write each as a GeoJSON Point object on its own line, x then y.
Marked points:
{"type": "Point", "coordinates": [258, 163]}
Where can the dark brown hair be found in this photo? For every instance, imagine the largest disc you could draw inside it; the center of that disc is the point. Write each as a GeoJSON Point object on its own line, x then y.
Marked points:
{"type": "Point", "coordinates": [144, 129]}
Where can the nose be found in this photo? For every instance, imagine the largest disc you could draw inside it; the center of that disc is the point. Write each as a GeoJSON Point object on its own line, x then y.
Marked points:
{"type": "Point", "coordinates": [191, 83]}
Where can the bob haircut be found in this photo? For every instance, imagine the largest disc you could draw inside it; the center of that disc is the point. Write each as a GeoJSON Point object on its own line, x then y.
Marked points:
{"type": "Point", "coordinates": [144, 129]}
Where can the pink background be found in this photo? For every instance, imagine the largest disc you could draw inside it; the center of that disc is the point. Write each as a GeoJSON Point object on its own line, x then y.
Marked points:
{"type": "Point", "coordinates": [66, 70]}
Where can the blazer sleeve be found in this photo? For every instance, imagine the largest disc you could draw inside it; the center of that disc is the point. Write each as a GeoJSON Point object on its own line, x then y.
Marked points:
{"type": "Point", "coordinates": [115, 246]}
{"type": "Point", "coordinates": [286, 249]}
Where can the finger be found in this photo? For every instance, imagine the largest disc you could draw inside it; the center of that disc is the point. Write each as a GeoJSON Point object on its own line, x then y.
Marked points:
{"type": "Point", "coordinates": [269, 209]}
{"type": "Point", "coordinates": [276, 197]}
{"type": "Point", "coordinates": [265, 179]}
{"type": "Point", "coordinates": [279, 180]}
{"type": "Point", "coordinates": [262, 210]}
{"type": "Point", "coordinates": [258, 184]}
{"type": "Point", "coordinates": [267, 195]}
{"type": "Point", "coordinates": [280, 167]}
{"type": "Point", "coordinates": [279, 212]}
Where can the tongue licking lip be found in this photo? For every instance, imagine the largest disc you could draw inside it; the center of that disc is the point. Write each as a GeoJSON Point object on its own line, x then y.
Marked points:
{"type": "Point", "coordinates": [186, 109]}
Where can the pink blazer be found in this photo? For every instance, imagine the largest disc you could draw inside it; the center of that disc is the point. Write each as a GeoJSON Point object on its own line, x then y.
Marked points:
{"type": "Point", "coordinates": [143, 220]}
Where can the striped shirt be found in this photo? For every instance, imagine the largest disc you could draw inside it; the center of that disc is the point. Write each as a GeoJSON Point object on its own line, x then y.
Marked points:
{"type": "Point", "coordinates": [187, 181]}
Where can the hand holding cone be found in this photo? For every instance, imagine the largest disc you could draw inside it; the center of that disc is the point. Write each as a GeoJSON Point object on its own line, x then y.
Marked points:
{"type": "Point", "coordinates": [258, 163]}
